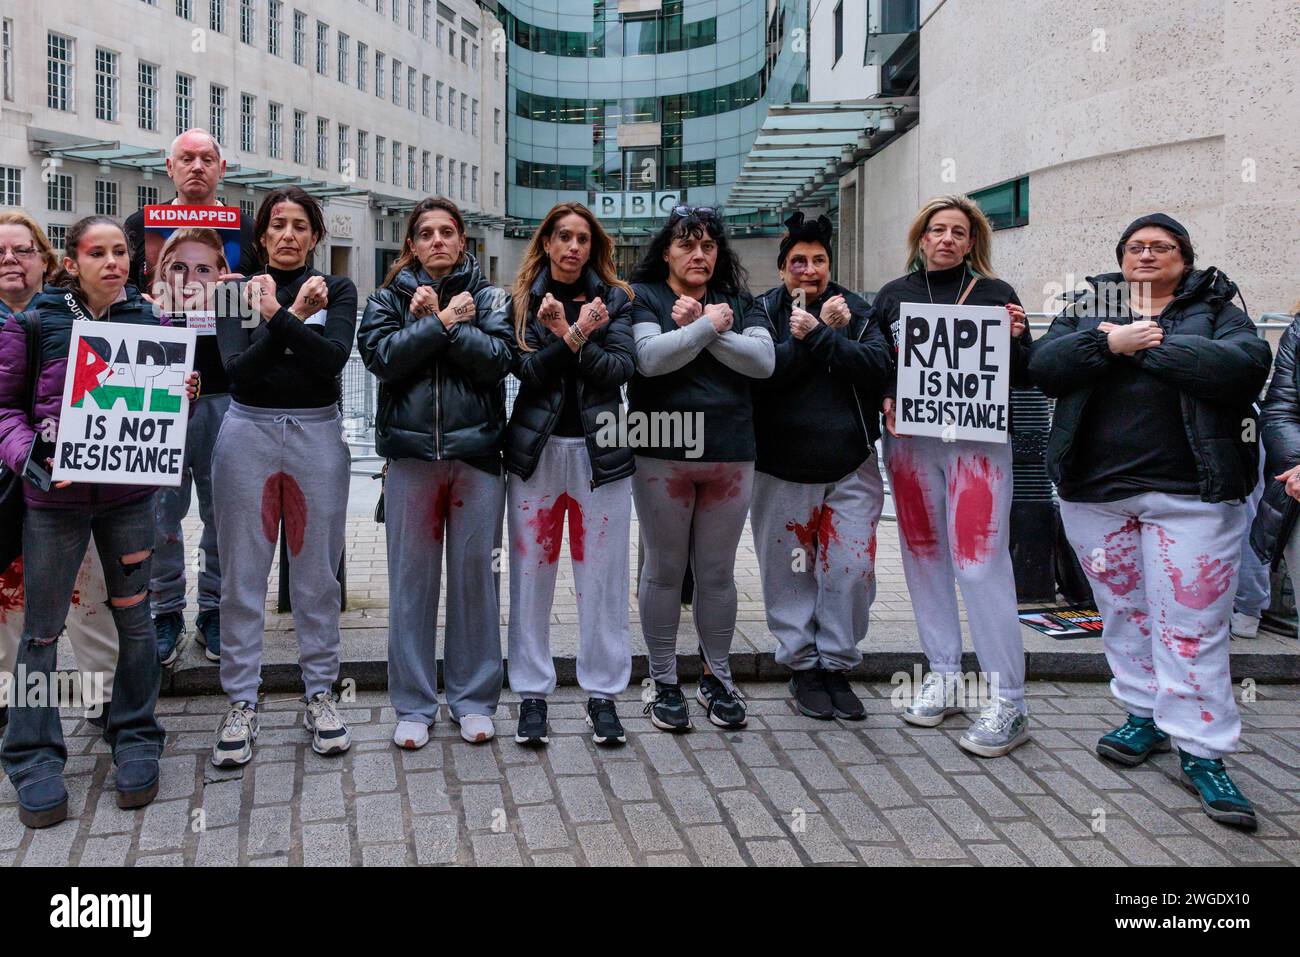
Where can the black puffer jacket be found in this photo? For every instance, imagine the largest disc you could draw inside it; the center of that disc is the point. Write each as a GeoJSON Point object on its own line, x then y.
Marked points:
{"type": "Point", "coordinates": [815, 419]}
{"type": "Point", "coordinates": [441, 391]}
{"type": "Point", "coordinates": [1280, 432]}
{"type": "Point", "coordinates": [1211, 353]}
{"type": "Point", "coordinates": [602, 366]}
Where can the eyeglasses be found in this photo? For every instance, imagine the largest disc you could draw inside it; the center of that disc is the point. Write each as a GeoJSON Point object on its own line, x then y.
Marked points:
{"type": "Point", "coordinates": [699, 212]}
{"type": "Point", "coordinates": [19, 252]}
{"type": "Point", "coordinates": [1160, 249]}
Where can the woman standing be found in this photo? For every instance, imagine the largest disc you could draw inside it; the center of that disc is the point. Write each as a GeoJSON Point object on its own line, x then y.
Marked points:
{"type": "Point", "coordinates": [1155, 371]}
{"type": "Point", "coordinates": [953, 499]}
{"type": "Point", "coordinates": [437, 335]}
{"type": "Point", "coordinates": [1273, 535]}
{"type": "Point", "coordinates": [280, 458]}
{"type": "Point", "coordinates": [574, 335]}
{"type": "Point", "coordinates": [26, 261]}
{"type": "Point", "coordinates": [63, 516]}
{"type": "Point", "coordinates": [697, 351]}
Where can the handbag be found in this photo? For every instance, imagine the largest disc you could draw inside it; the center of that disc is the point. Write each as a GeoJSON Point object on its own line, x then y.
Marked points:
{"type": "Point", "coordinates": [11, 483]}
{"type": "Point", "coordinates": [382, 475]}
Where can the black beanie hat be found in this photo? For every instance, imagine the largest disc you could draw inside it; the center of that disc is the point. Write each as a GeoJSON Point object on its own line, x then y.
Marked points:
{"type": "Point", "coordinates": [800, 230]}
{"type": "Point", "coordinates": [1167, 223]}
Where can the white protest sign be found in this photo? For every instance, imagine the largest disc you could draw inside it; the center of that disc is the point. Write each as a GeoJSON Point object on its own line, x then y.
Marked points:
{"type": "Point", "coordinates": [125, 409]}
{"type": "Point", "coordinates": [954, 366]}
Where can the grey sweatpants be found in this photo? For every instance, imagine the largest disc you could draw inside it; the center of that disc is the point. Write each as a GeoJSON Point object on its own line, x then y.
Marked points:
{"type": "Point", "coordinates": [429, 506]}
{"type": "Point", "coordinates": [167, 590]}
{"type": "Point", "coordinates": [816, 546]}
{"type": "Point", "coordinates": [271, 466]}
{"type": "Point", "coordinates": [695, 511]}
{"type": "Point", "coordinates": [599, 524]}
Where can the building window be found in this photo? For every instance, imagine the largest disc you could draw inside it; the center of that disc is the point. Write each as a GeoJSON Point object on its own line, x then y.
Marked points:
{"type": "Point", "coordinates": [11, 186]}
{"type": "Point", "coordinates": [7, 67]}
{"type": "Point", "coordinates": [146, 99]}
{"type": "Point", "coordinates": [247, 210]}
{"type": "Point", "coordinates": [473, 57]}
{"type": "Point", "coordinates": [464, 50]}
{"type": "Point", "coordinates": [184, 9]}
{"type": "Point", "coordinates": [105, 85]}
{"type": "Point", "coordinates": [59, 193]}
{"type": "Point", "coordinates": [58, 235]}
{"type": "Point", "coordinates": [425, 93]}
{"type": "Point", "coordinates": [437, 103]}
{"type": "Point", "coordinates": [462, 181]}
{"type": "Point", "coordinates": [184, 103]}
{"type": "Point", "coordinates": [451, 178]}
{"type": "Point", "coordinates": [274, 13]}
{"type": "Point", "coordinates": [496, 126]}
{"type": "Point", "coordinates": [496, 66]}
{"type": "Point", "coordinates": [322, 48]}
{"type": "Point", "coordinates": [397, 11]}
{"type": "Point", "coordinates": [217, 112]}
{"type": "Point", "coordinates": [451, 106]}
{"type": "Point", "coordinates": [247, 123]}
{"type": "Point", "coordinates": [473, 185]}
{"type": "Point", "coordinates": [550, 175]}
{"type": "Point", "coordinates": [425, 170]}
{"type": "Point", "coordinates": [410, 88]}
{"type": "Point", "coordinates": [105, 197]}
{"type": "Point", "coordinates": [274, 129]}
{"type": "Point", "coordinates": [473, 118]}
{"type": "Point", "coordinates": [380, 158]}
{"type": "Point", "coordinates": [299, 37]}
{"type": "Point", "coordinates": [437, 173]}
{"type": "Point", "coordinates": [438, 38]}
{"type": "Point", "coordinates": [496, 189]}
{"type": "Point", "coordinates": [392, 226]}
{"type": "Point", "coordinates": [217, 16]}
{"type": "Point", "coordinates": [363, 154]}
{"type": "Point", "coordinates": [410, 167]}
{"type": "Point", "coordinates": [451, 43]}
{"type": "Point", "coordinates": [464, 110]}
{"type": "Point", "coordinates": [363, 65]}
{"type": "Point", "coordinates": [426, 18]}
{"type": "Point", "coordinates": [146, 196]}
{"type": "Point", "coordinates": [380, 61]}
{"type": "Point", "coordinates": [838, 21]}
{"type": "Point", "coordinates": [299, 137]}
{"type": "Point", "coordinates": [379, 230]}
{"type": "Point", "coordinates": [59, 73]}
{"type": "Point", "coordinates": [322, 141]}
{"type": "Point", "coordinates": [344, 49]}
{"type": "Point", "coordinates": [410, 15]}
{"type": "Point", "coordinates": [397, 163]}
{"type": "Point", "coordinates": [1006, 205]}
{"type": "Point", "coordinates": [246, 13]}
{"type": "Point", "coordinates": [397, 82]}
{"type": "Point", "coordinates": [345, 144]}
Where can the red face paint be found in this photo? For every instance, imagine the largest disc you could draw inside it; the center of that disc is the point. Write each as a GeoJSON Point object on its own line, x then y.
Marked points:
{"type": "Point", "coordinates": [911, 501]}
{"type": "Point", "coordinates": [1117, 567]}
{"type": "Point", "coordinates": [282, 498]}
{"type": "Point", "coordinates": [11, 589]}
{"type": "Point", "coordinates": [974, 525]}
{"type": "Point", "coordinates": [548, 526]}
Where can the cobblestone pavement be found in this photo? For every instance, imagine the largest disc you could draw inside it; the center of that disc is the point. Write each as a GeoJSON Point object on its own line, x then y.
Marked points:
{"type": "Point", "coordinates": [789, 790]}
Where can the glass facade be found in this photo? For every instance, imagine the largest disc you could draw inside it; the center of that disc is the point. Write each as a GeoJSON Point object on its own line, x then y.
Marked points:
{"type": "Point", "coordinates": [603, 105]}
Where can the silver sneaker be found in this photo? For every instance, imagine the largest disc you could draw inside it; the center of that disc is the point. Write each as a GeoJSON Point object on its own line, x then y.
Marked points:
{"type": "Point", "coordinates": [1000, 729]}
{"type": "Point", "coordinates": [935, 701]}
{"type": "Point", "coordinates": [235, 736]}
{"type": "Point", "coordinates": [329, 735]}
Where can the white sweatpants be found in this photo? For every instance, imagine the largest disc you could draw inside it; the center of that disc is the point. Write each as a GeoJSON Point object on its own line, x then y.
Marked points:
{"type": "Point", "coordinates": [953, 501]}
{"type": "Point", "coordinates": [1164, 571]}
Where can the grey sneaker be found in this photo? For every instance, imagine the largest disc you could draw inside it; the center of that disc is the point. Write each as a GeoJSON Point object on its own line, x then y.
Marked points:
{"type": "Point", "coordinates": [935, 701]}
{"type": "Point", "coordinates": [235, 736]}
{"type": "Point", "coordinates": [329, 735]}
{"type": "Point", "coordinates": [1000, 729]}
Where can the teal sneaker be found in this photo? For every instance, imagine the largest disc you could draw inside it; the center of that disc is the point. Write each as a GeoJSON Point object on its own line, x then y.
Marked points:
{"type": "Point", "coordinates": [1134, 742]}
{"type": "Point", "coordinates": [1220, 799]}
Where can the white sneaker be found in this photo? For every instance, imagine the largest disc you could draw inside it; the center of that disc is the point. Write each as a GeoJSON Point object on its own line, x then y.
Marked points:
{"type": "Point", "coordinates": [411, 735]}
{"type": "Point", "coordinates": [936, 699]}
{"type": "Point", "coordinates": [475, 728]}
{"type": "Point", "coordinates": [1244, 626]}
{"type": "Point", "coordinates": [329, 735]}
{"type": "Point", "coordinates": [235, 736]}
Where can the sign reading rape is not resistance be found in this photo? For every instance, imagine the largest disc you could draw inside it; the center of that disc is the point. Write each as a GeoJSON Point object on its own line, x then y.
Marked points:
{"type": "Point", "coordinates": [953, 369]}
{"type": "Point", "coordinates": [125, 409]}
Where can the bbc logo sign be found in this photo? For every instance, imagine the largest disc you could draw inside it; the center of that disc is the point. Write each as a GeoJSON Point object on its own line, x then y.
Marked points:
{"type": "Point", "coordinates": [635, 205]}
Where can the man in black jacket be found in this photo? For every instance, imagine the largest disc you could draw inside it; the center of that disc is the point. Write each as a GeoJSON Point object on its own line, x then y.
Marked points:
{"type": "Point", "coordinates": [817, 490]}
{"type": "Point", "coordinates": [196, 166]}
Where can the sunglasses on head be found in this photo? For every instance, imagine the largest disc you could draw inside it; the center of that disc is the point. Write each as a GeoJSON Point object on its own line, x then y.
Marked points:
{"type": "Point", "coordinates": [699, 212]}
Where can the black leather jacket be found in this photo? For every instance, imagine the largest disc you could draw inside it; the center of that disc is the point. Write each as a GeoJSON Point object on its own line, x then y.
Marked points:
{"type": "Point", "coordinates": [602, 366]}
{"type": "Point", "coordinates": [1280, 433]}
{"type": "Point", "coordinates": [441, 391]}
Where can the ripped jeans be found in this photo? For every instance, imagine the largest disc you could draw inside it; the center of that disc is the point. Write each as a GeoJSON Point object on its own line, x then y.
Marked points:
{"type": "Point", "coordinates": [124, 535]}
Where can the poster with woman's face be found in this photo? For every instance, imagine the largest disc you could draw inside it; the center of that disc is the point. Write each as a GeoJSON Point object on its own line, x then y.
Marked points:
{"type": "Point", "coordinates": [187, 249]}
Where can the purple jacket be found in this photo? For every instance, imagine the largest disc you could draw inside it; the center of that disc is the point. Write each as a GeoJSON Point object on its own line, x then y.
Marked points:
{"type": "Point", "coordinates": [17, 429]}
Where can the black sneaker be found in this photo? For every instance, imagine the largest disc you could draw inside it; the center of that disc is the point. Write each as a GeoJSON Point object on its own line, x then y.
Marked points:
{"type": "Point", "coordinates": [668, 711]}
{"type": "Point", "coordinates": [606, 729]}
{"type": "Point", "coordinates": [723, 707]}
{"type": "Point", "coordinates": [810, 695]}
{"type": "Point", "coordinates": [170, 628]}
{"type": "Point", "coordinates": [533, 730]}
{"type": "Point", "coordinates": [845, 703]}
{"type": "Point", "coordinates": [208, 630]}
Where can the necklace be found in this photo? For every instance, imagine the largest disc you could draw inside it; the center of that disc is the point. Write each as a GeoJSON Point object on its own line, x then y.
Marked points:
{"type": "Point", "coordinates": [960, 286]}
